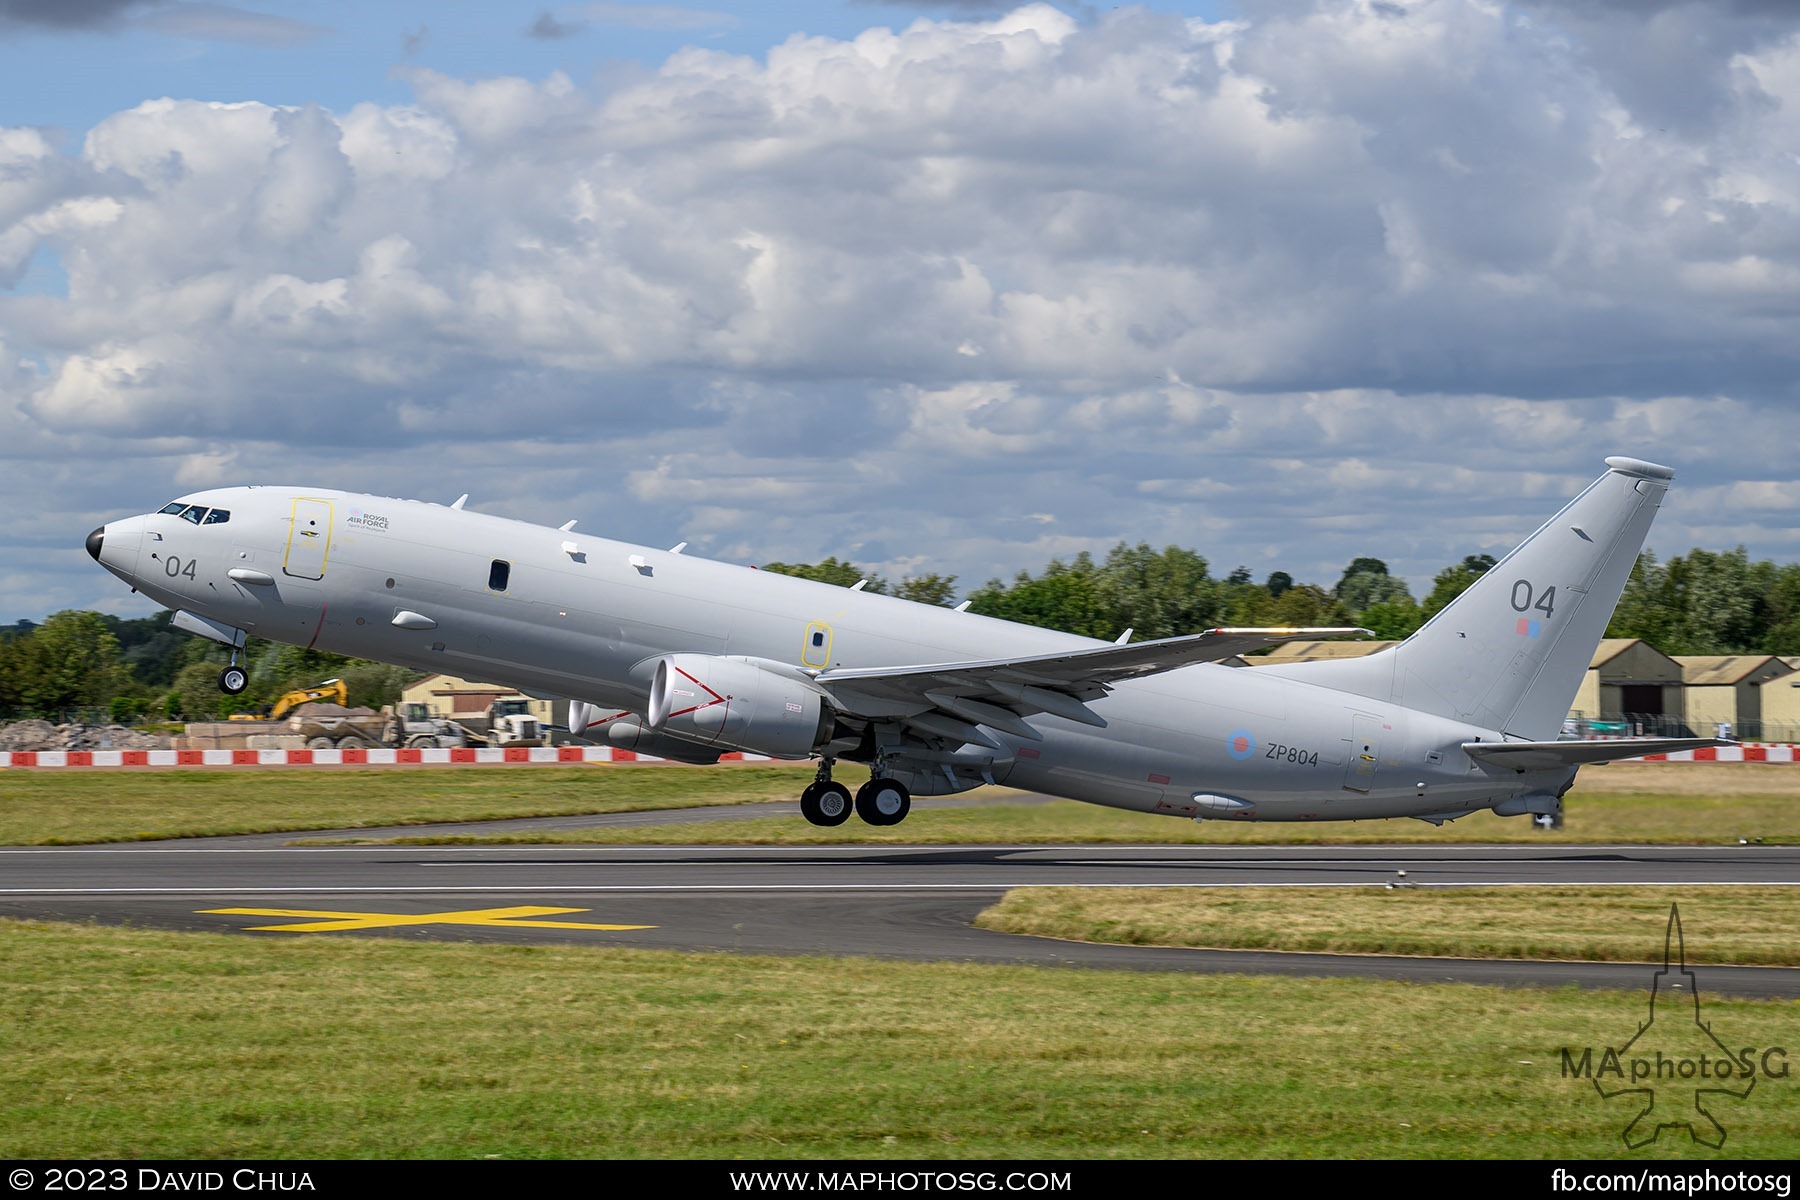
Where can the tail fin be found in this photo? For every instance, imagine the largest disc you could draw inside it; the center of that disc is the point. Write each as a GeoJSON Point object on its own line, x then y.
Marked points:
{"type": "Point", "coordinates": [1510, 652]}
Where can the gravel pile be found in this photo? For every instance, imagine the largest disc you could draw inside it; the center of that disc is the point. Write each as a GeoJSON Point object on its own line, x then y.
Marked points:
{"type": "Point", "coordinates": [42, 735]}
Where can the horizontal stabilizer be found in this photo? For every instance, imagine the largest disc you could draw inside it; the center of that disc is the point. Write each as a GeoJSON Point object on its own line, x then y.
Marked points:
{"type": "Point", "coordinates": [1544, 756]}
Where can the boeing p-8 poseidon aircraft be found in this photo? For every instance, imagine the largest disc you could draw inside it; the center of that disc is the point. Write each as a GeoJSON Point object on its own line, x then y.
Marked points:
{"type": "Point", "coordinates": [680, 657]}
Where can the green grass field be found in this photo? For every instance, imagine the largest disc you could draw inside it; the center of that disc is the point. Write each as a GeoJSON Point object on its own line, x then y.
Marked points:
{"type": "Point", "coordinates": [121, 1043]}
{"type": "Point", "coordinates": [62, 807]}
{"type": "Point", "coordinates": [1622, 924]}
{"type": "Point", "coordinates": [1685, 803]}
{"type": "Point", "coordinates": [130, 1043]}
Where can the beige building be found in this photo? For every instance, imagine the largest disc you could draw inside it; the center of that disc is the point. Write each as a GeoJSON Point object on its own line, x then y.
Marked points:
{"type": "Point", "coordinates": [1630, 678]}
{"type": "Point", "coordinates": [466, 702]}
{"type": "Point", "coordinates": [1780, 700]}
{"type": "Point", "coordinates": [1292, 652]}
{"type": "Point", "coordinates": [1726, 689]}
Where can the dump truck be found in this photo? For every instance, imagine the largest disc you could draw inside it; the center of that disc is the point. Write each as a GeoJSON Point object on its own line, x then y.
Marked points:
{"type": "Point", "coordinates": [334, 727]}
{"type": "Point", "coordinates": [511, 723]}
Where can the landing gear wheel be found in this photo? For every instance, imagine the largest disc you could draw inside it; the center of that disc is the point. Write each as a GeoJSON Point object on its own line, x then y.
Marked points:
{"type": "Point", "coordinates": [826, 803]}
{"type": "Point", "coordinates": [233, 680]}
{"type": "Point", "coordinates": [883, 802]}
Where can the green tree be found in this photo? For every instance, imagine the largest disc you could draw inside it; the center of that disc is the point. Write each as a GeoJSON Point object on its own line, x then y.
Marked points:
{"type": "Point", "coordinates": [373, 684]}
{"type": "Point", "coordinates": [1279, 582]}
{"type": "Point", "coordinates": [1066, 597]}
{"type": "Point", "coordinates": [1393, 620]}
{"type": "Point", "coordinates": [72, 660]}
{"type": "Point", "coordinates": [1452, 582]}
{"type": "Point", "coordinates": [197, 697]}
{"type": "Point", "coordinates": [843, 574]}
{"type": "Point", "coordinates": [1708, 603]}
{"type": "Point", "coordinates": [151, 651]}
{"type": "Point", "coordinates": [1366, 582]}
{"type": "Point", "coordinates": [928, 589]}
{"type": "Point", "coordinates": [1157, 594]}
{"type": "Point", "coordinates": [1302, 604]}
{"type": "Point", "coordinates": [1358, 566]}
{"type": "Point", "coordinates": [1783, 603]}
{"type": "Point", "coordinates": [13, 672]}
{"type": "Point", "coordinates": [123, 710]}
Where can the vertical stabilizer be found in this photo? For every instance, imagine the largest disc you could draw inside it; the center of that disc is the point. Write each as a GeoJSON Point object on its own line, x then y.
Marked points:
{"type": "Point", "coordinates": [1510, 653]}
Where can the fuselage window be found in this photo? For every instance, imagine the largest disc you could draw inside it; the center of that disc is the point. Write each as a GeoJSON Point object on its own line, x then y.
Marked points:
{"type": "Point", "coordinates": [193, 512]}
{"type": "Point", "coordinates": [498, 574]}
{"type": "Point", "coordinates": [818, 638]}
{"type": "Point", "coordinates": [217, 516]}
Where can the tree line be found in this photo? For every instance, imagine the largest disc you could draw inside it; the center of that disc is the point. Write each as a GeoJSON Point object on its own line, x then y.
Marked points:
{"type": "Point", "coordinates": [90, 665]}
{"type": "Point", "coordinates": [1703, 602]}
{"type": "Point", "coordinates": [1699, 603]}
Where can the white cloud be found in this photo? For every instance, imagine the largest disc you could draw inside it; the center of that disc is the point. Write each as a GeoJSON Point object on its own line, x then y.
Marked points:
{"type": "Point", "coordinates": [1332, 279]}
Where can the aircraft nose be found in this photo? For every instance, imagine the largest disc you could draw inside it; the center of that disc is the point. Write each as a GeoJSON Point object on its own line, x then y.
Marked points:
{"type": "Point", "coordinates": [95, 540]}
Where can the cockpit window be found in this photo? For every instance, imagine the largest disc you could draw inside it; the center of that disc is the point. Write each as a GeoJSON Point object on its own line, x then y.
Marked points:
{"type": "Point", "coordinates": [199, 514]}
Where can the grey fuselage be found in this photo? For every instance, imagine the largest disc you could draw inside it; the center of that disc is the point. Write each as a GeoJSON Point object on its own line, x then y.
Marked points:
{"type": "Point", "coordinates": [587, 618]}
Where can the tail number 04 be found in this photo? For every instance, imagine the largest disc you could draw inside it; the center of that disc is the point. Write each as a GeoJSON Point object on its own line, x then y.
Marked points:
{"type": "Point", "coordinates": [1526, 598]}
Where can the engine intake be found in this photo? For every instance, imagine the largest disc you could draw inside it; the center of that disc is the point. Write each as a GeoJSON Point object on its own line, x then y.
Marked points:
{"type": "Point", "coordinates": [742, 703]}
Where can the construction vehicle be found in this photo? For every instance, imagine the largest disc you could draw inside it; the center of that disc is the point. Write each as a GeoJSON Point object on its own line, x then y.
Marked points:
{"type": "Point", "coordinates": [334, 727]}
{"type": "Point", "coordinates": [511, 723]}
{"type": "Point", "coordinates": [417, 728]}
{"type": "Point", "coordinates": [331, 690]}
{"type": "Point", "coordinates": [357, 728]}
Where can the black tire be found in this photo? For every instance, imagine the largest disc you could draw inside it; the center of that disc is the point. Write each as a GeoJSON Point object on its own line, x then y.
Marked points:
{"type": "Point", "coordinates": [352, 743]}
{"type": "Point", "coordinates": [826, 803]}
{"type": "Point", "coordinates": [321, 743]}
{"type": "Point", "coordinates": [421, 741]}
{"type": "Point", "coordinates": [883, 802]}
{"type": "Point", "coordinates": [233, 680]}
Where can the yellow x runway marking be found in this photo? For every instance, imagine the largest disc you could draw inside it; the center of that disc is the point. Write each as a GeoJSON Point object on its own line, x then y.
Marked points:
{"type": "Point", "coordinates": [334, 922]}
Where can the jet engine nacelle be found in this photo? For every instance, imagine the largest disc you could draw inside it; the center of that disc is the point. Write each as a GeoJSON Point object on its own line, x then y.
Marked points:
{"type": "Point", "coordinates": [628, 733]}
{"type": "Point", "coordinates": [739, 703]}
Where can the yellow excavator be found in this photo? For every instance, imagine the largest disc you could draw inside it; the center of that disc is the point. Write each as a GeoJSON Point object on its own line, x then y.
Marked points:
{"type": "Point", "coordinates": [331, 689]}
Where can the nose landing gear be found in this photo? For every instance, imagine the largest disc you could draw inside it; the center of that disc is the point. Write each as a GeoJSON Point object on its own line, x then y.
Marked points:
{"type": "Point", "coordinates": [233, 679]}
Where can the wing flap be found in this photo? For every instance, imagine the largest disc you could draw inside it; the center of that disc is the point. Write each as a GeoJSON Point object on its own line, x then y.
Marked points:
{"type": "Point", "coordinates": [949, 700]}
{"type": "Point", "coordinates": [1070, 669]}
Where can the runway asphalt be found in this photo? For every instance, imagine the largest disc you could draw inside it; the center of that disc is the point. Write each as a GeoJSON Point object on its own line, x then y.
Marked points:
{"type": "Point", "coordinates": [912, 902]}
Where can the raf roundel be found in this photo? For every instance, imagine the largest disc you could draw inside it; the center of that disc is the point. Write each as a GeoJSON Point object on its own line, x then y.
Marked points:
{"type": "Point", "coordinates": [1240, 743]}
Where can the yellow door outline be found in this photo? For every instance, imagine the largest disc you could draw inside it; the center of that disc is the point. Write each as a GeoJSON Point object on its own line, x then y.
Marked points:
{"type": "Point", "coordinates": [815, 648]}
{"type": "Point", "coordinates": [312, 539]}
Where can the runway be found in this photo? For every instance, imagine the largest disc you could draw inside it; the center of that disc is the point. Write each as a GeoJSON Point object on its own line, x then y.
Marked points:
{"type": "Point", "coordinates": [912, 902]}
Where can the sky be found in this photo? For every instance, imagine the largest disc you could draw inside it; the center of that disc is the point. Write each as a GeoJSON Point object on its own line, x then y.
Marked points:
{"type": "Point", "coordinates": [929, 287]}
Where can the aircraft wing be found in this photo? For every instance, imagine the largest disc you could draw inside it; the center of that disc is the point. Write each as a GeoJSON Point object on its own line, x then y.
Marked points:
{"type": "Point", "coordinates": [949, 699]}
{"type": "Point", "coordinates": [1543, 756]}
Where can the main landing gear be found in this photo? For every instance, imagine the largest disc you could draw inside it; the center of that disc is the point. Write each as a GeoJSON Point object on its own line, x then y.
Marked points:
{"type": "Point", "coordinates": [880, 801]}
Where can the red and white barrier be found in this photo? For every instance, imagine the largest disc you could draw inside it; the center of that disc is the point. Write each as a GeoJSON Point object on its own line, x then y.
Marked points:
{"type": "Point", "coordinates": [1757, 752]}
{"type": "Point", "coordinates": [373, 756]}
{"type": "Point", "coordinates": [1745, 752]}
